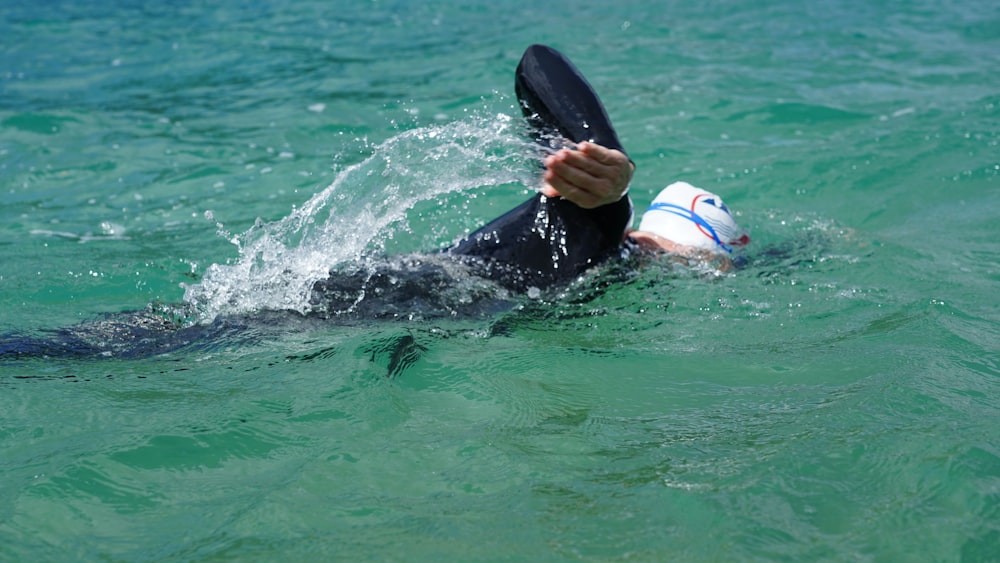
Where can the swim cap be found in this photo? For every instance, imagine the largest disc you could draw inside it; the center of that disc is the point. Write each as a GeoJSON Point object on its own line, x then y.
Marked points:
{"type": "Point", "coordinates": [693, 217]}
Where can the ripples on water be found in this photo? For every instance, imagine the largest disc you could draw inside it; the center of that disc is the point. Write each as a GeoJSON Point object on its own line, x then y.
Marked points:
{"type": "Point", "coordinates": [834, 399]}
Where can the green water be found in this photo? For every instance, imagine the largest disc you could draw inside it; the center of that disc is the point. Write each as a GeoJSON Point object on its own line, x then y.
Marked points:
{"type": "Point", "coordinates": [839, 403]}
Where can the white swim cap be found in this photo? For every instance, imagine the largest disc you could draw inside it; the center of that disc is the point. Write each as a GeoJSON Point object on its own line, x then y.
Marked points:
{"type": "Point", "coordinates": [693, 217]}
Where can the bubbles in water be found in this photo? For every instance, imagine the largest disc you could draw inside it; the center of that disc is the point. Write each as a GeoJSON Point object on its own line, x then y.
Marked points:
{"type": "Point", "coordinates": [110, 229]}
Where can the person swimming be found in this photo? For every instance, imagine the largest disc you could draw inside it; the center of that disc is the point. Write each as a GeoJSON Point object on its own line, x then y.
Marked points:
{"type": "Point", "coordinates": [582, 214]}
{"type": "Point", "coordinates": [580, 218]}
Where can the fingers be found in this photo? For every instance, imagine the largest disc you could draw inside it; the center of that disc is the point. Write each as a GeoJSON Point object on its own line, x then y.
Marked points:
{"type": "Point", "coordinates": [549, 191]}
{"type": "Point", "coordinates": [590, 176]}
{"type": "Point", "coordinates": [572, 183]}
{"type": "Point", "coordinates": [555, 187]}
{"type": "Point", "coordinates": [602, 154]}
{"type": "Point", "coordinates": [594, 159]}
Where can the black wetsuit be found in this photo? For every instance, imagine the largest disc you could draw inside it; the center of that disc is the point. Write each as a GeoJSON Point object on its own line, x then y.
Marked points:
{"type": "Point", "coordinates": [539, 244]}
{"type": "Point", "coordinates": [546, 241]}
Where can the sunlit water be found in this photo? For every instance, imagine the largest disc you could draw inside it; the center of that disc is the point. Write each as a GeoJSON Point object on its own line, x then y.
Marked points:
{"type": "Point", "coordinates": [835, 399]}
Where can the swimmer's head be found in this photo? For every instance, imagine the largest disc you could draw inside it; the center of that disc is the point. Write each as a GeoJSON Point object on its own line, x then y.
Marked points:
{"type": "Point", "coordinates": [693, 217]}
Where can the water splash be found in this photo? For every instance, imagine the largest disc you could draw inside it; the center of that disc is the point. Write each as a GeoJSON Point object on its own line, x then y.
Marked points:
{"type": "Point", "coordinates": [360, 211]}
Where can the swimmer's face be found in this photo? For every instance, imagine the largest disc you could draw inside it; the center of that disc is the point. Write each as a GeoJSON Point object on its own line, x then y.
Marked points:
{"type": "Point", "coordinates": [654, 243]}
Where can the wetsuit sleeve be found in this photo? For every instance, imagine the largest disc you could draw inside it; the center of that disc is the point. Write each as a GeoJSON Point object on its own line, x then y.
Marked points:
{"type": "Point", "coordinates": [545, 241]}
{"type": "Point", "coordinates": [557, 99]}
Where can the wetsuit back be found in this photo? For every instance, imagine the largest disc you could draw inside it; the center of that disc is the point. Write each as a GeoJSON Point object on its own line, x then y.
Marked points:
{"type": "Point", "coordinates": [546, 241]}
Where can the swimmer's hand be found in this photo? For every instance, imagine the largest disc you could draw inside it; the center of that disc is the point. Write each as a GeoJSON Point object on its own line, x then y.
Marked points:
{"type": "Point", "coordinates": [590, 176]}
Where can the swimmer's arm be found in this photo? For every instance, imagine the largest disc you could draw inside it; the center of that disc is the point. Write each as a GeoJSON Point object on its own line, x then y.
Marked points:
{"type": "Point", "coordinates": [590, 176]}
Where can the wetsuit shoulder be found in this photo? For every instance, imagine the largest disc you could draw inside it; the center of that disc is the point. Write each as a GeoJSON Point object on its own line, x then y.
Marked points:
{"type": "Point", "coordinates": [551, 240]}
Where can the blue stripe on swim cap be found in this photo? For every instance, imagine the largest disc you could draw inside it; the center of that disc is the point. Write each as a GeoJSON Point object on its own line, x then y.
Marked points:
{"type": "Point", "coordinates": [690, 216]}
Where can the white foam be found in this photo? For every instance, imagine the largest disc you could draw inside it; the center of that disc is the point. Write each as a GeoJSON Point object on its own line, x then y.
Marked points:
{"type": "Point", "coordinates": [367, 203]}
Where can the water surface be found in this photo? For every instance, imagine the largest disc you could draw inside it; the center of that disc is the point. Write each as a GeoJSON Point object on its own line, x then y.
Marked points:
{"type": "Point", "coordinates": [835, 402]}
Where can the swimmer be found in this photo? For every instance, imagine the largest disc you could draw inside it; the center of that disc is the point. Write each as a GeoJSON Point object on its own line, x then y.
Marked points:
{"type": "Point", "coordinates": [582, 214]}
{"type": "Point", "coordinates": [580, 218]}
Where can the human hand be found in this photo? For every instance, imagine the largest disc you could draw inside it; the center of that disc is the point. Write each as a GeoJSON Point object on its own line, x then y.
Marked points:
{"type": "Point", "coordinates": [590, 176]}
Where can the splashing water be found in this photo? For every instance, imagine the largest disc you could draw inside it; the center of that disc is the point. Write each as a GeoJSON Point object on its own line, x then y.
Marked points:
{"type": "Point", "coordinates": [360, 211]}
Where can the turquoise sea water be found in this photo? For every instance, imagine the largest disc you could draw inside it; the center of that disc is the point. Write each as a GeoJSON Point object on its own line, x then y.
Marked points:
{"type": "Point", "coordinates": [840, 402]}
